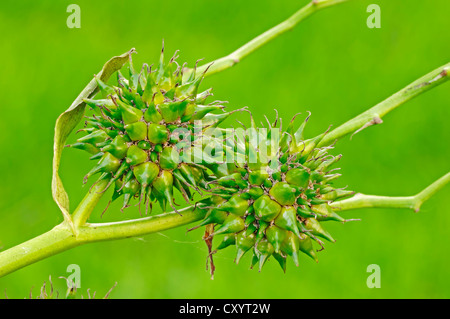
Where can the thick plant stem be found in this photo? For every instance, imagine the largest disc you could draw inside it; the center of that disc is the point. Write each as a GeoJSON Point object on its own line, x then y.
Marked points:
{"type": "Point", "coordinates": [61, 237]}
{"type": "Point", "coordinates": [85, 208]}
{"type": "Point", "coordinates": [141, 226]}
{"type": "Point", "coordinates": [373, 115]}
{"type": "Point", "coordinates": [410, 202]}
{"type": "Point", "coordinates": [236, 56]}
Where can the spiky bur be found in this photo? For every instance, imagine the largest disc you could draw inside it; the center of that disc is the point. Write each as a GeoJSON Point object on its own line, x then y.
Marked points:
{"type": "Point", "coordinates": [274, 200]}
{"type": "Point", "coordinates": [143, 132]}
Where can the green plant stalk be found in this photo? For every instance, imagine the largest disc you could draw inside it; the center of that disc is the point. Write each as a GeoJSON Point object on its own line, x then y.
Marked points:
{"type": "Point", "coordinates": [373, 115]}
{"type": "Point", "coordinates": [235, 57]}
{"type": "Point", "coordinates": [62, 238]}
{"type": "Point", "coordinates": [59, 239]}
{"type": "Point", "coordinates": [87, 205]}
{"type": "Point", "coordinates": [409, 202]}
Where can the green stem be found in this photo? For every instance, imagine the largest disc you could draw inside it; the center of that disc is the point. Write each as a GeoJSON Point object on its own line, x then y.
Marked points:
{"type": "Point", "coordinates": [139, 227]}
{"type": "Point", "coordinates": [410, 202]}
{"type": "Point", "coordinates": [87, 205]}
{"type": "Point", "coordinates": [236, 56]}
{"type": "Point", "coordinates": [61, 237]}
{"type": "Point", "coordinates": [373, 115]}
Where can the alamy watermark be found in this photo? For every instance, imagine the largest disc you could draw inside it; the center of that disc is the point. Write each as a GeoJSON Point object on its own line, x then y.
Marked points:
{"type": "Point", "coordinates": [74, 19]}
{"type": "Point", "coordinates": [74, 279]}
{"type": "Point", "coordinates": [374, 279]}
{"type": "Point", "coordinates": [374, 19]}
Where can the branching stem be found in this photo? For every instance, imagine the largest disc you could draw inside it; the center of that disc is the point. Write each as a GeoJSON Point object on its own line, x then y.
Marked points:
{"type": "Point", "coordinates": [373, 115]}
{"type": "Point", "coordinates": [84, 209]}
{"type": "Point", "coordinates": [61, 237]}
{"type": "Point", "coordinates": [288, 24]}
{"type": "Point", "coordinates": [410, 202]}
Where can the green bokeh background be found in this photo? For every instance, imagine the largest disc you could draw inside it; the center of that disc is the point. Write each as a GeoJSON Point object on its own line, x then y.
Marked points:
{"type": "Point", "coordinates": [332, 64]}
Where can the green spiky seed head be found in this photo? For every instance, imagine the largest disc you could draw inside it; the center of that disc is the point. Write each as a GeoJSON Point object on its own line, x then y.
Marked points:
{"type": "Point", "coordinates": [143, 131]}
{"type": "Point", "coordinates": [274, 202]}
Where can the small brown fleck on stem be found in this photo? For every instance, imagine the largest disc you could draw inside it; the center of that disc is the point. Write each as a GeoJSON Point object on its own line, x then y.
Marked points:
{"type": "Point", "coordinates": [208, 238]}
{"type": "Point", "coordinates": [374, 121]}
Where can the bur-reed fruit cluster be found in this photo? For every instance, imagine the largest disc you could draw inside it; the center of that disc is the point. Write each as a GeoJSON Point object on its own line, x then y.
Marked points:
{"type": "Point", "coordinates": [271, 198]}
{"type": "Point", "coordinates": [143, 131]}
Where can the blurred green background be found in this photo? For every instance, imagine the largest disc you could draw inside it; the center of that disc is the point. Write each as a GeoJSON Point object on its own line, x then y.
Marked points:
{"type": "Point", "coordinates": [332, 64]}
